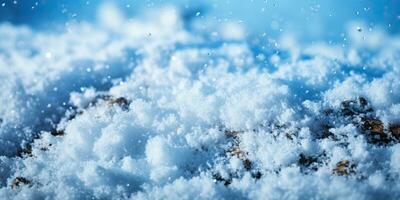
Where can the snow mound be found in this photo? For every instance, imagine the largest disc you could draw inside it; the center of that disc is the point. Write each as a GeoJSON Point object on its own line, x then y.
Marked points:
{"type": "Point", "coordinates": [146, 109]}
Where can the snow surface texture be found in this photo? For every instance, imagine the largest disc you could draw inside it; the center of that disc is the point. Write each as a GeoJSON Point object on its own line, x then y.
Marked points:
{"type": "Point", "coordinates": [151, 108]}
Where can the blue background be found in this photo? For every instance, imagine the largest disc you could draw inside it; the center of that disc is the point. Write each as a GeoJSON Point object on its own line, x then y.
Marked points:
{"type": "Point", "coordinates": [306, 19]}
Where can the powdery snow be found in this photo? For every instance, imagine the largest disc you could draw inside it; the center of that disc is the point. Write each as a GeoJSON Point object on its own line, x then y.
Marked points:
{"type": "Point", "coordinates": [146, 109]}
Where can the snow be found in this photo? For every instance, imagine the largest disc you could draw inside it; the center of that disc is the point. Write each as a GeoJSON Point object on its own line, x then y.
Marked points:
{"type": "Point", "coordinates": [146, 108]}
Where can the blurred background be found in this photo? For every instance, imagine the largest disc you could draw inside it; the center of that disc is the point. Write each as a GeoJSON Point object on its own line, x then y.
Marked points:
{"type": "Point", "coordinates": [307, 20]}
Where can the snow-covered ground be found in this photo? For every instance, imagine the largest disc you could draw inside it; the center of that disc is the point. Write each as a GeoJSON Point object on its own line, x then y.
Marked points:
{"type": "Point", "coordinates": [156, 107]}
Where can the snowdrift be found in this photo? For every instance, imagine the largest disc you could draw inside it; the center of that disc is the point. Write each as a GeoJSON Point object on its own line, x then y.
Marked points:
{"type": "Point", "coordinates": [158, 110]}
